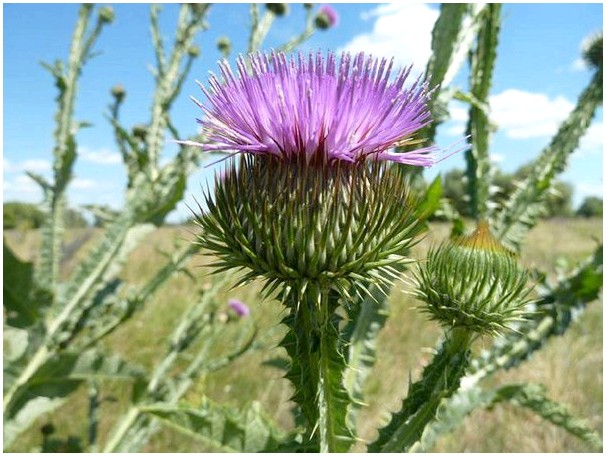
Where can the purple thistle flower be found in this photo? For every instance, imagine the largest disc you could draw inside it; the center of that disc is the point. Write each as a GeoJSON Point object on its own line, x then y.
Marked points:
{"type": "Point", "coordinates": [239, 307]}
{"type": "Point", "coordinates": [348, 110]}
{"type": "Point", "coordinates": [330, 14]}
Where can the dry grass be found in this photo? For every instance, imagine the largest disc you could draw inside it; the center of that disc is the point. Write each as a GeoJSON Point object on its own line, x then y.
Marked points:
{"type": "Point", "coordinates": [570, 366]}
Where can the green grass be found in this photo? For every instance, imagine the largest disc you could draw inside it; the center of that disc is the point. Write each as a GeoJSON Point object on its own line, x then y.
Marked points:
{"type": "Point", "coordinates": [570, 366]}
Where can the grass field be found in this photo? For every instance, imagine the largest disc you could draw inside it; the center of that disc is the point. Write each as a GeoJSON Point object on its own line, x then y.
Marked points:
{"type": "Point", "coordinates": [570, 366]}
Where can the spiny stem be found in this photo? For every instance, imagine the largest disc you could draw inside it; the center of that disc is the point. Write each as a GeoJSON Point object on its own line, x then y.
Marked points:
{"type": "Point", "coordinates": [440, 379]}
{"type": "Point", "coordinates": [317, 367]}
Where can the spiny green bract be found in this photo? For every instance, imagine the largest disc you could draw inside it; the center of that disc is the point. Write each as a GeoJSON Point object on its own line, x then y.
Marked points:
{"type": "Point", "coordinates": [292, 222]}
{"type": "Point", "coordinates": [473, 282]}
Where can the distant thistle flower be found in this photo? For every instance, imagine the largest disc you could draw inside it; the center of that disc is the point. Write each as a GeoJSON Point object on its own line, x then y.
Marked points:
{"type": "Point", "coordinates": [314, 106]}
{"type": "Point", "coordinates": [239, 307]}
{"type": "Point", "coordinates": [327, 17]}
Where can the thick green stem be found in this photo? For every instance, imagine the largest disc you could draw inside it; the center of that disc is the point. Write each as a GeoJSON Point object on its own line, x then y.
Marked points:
{"type": "Point", "coordinates": [317, 366]}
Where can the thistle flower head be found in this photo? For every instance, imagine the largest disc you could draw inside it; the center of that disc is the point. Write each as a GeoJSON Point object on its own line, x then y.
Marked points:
{"type": "Point", "coordinates": [239, 307]}
{"type": "Point", "coordinates": [473, 282]}
{"type": "Point", "coordinates": [293, 223]}
{"type": "Point", "coordinates": [318, 107]}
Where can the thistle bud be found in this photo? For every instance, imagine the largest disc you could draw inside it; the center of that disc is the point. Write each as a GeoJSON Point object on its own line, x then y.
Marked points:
{"type": "Point", "coordinates": [224, 45]}
{"type": "Point", "coordinates": [326, 18]}
{"type": "Point", "coordinates": [474, 283]}
{"type": "Point", "coordinates": [279, 9]}
{"type": "Point", "coordinates": [118, 92]}
{"type": "Point", "coordinates": [593, 51]}
{"type": "Point", "coordinates": [140, 131]}
{"type": "Point", "coordinates": [193, 51]}
{"type": "Point", "coordinates": [106, 14]}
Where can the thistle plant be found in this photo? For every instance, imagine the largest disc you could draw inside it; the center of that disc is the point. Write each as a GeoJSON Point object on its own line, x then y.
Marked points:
{"type": "Point", "coordinates": [312, 207]}
{"type": "Point", "coordinates": [318, 199]}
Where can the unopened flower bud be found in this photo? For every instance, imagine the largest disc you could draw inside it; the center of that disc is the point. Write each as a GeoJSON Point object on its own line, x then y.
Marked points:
{"type": "Point", "coordinates": [474, 283]}
{"type": "Point", "coordinates": [106, 14]}
{"type": "Point", "coordinates": [279, 9]}
{"type": "Point", "coordinates": [193, 51]}
{"type": "Point", "coordinates": [308, 5]}
{"type": "Point", "coordinates": [140, 131]}
{"type": "Point", "coordinates": [224, 45]}
{"type": "Point", "coordinates": [326, 18]}
{"type": "Point", "coordinates": [118, 92]}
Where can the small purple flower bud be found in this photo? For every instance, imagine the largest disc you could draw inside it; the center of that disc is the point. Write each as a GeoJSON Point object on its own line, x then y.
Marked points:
{"type": "Point", "coordinates": [239, 307]}
{"type": "Point", "coordinates": [327, 17]}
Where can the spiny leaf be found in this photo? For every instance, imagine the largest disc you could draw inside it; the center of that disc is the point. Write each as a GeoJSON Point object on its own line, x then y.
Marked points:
{"type": "Point", "coordinates": [557, 307]}
{"type": "Point", "coordinates": [246, 431]}
{"type": "Point", "coordinates": [533, 397]}
{"type": "Point", "coordinates": [56, 379]}
{"type": "Point", "coordinates": [527, 203]}
{"type": "Point", "coordinates": [440, 379]}
{"type": "Point", "coordinates": [23, 304]}
{"type": "Point", "coordinates": [453, 410]}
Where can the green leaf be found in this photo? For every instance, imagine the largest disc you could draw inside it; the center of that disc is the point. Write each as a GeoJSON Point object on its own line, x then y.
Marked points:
{"type": "Point", "coordinates": [431, 200]}
{"type": "Point", "coordinates": [317, 366]}
{"type": "Point", "coordinates": [18, 291]}
{"type": "Point", "coordinates": [445, 37]}
{"type": "Point", "coordinates": [558, 306]}
{"type": "Point", "coordinates": [533, 397]}
{"type": "Point", "coordinates": [92, 276]}
{"type": "Point", "coordinates": [56, 379]}
{"type": "Point", "coordinates": [451, 413]}
{"type": "Point", "coordinates": [440, 379]}
{"type": "Point", "coordinates": [246, 431]}
{"type": "Point", "coordinates": [452, 37]}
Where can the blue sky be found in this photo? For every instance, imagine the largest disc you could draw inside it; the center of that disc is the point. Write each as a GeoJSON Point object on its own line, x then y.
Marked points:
{"type": "Point", "coordinates": [537, 80]}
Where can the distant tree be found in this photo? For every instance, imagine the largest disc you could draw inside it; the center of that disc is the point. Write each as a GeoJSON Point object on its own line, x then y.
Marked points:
{"type": "Point", "coordinates": [559, 202]}
{"type": "Point", "coordinates": [27, 216]}
{"type": "Point", "coordinates": [592, 206]}
{"type": "Point", "coordinates": [22, 216]}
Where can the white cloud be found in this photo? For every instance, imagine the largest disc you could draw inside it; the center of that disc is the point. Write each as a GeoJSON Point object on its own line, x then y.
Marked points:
{"type": "Point", "coordinates": [35, 165]}
{"type": "Point", "coordinates": [497, 158]}
{"type": "Point", "coordinates": [83, 184]}
{"type": "Point", "coordinates": [589, 189]}
{"type": "Point", "coordinates": [522, 115]}
{"type": "Point", "coordinates": [19, 187]}
{"type": "Point", "coordinates": [401, 30]}
{"type": "Point", "coordinates": [100, 156]}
